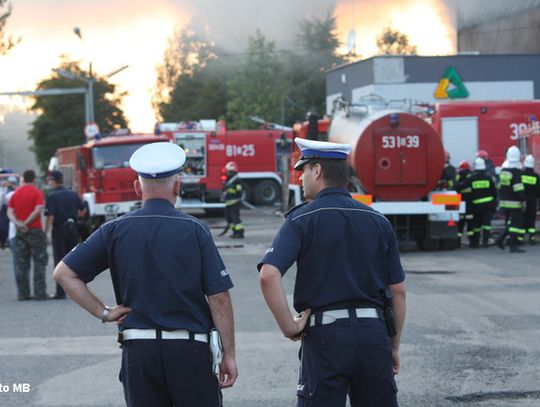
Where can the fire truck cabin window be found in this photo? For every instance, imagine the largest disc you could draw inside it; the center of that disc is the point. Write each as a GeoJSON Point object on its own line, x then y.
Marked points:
{"type": "Point", "coordinates": [116, 156]}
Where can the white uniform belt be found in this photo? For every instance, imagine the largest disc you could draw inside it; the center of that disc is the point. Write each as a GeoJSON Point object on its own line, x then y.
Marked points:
{"type": "Point", "coordinates": [330, 316]}
{"type": "Point", "coordinates": [130, 334]}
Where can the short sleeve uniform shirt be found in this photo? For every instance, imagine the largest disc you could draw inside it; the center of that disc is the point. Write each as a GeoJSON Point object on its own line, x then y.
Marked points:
{"type": "Point", "coordinates": [345, 251]}
{"type": "Point", "coordinates": [166, 262]}
{"type": "Point", "coordinates": [63, 204]}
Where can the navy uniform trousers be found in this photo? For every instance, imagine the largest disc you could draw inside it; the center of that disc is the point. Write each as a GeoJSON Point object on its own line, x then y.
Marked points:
{"type": "Point", "coordinates": [153, 369]}
{"type": "Point", "coordinates": [348, 357]}
{"type": "Point", "coordinates": [64, 238]}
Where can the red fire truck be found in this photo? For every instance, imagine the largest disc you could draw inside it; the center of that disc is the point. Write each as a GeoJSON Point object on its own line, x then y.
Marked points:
{"type": "Point", "coordinates": [99, 171]}
{"type": "Point", "coordinates": [467, 127]}
{"type": "Point", "coordinates": [209, 145]}
{"type": "Point", "coordinates": [396, 160]}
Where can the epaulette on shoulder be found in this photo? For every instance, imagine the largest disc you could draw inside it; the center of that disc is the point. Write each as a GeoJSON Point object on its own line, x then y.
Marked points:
{"type": "Point", "coordinates": [294, 208]}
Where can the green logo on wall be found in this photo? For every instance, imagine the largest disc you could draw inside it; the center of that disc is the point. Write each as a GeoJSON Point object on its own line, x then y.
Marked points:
{"type": "Point", "coordinates": [451, 78]}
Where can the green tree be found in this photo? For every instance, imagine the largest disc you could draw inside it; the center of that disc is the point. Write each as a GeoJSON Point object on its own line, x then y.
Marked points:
{"type": "Point", "coordinates": [191, 82]}
{"type": "Point", "coordinates": [318, 42]}
{"type": "Point", "coordinates": [258, 86]}
{"type": "Point", "coordinates": [6, 43]}
{"type": "Point", "coordinates": [392, 42]}
{"type": "Point", "coordinates": [61, 118]}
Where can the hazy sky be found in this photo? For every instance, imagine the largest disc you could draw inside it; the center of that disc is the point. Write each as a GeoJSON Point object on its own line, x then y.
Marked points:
{"type": "Point", "coordinates": [135, 32]}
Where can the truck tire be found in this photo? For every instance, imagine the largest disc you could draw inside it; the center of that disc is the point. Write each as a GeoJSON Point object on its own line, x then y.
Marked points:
{"type": "Point", "coordinates": [266, 192]}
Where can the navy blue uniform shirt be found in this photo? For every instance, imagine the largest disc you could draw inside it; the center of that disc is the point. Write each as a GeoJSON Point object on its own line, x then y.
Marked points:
{"type": "Point", "coordinates": [345, 252]}
{"type": "Point", "coordinates": [63, 204]}
{"type": "Point", "coordinates": [166, 262]}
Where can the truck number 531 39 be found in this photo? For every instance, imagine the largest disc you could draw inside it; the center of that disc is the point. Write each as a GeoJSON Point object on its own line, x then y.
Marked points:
{"type": "Point", "coordinates": [409, 141]}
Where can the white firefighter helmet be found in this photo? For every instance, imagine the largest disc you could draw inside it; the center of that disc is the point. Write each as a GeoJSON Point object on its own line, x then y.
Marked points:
{"type": "Point", "coordinates": [231, 166]}
{"type": "Point", "coordinates": [529, 161]}
{"type": "Point", "coordinates": [512, 156]}
{"type": "Point", "coordinates": [479, 164]}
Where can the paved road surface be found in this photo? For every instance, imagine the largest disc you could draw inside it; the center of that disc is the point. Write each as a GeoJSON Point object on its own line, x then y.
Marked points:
{"type": "Point", "coordinates": [471, 336]}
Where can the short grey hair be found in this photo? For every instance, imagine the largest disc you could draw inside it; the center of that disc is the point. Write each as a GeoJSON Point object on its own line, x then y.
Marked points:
{"type": "Point", "coordinates": [153, 185]}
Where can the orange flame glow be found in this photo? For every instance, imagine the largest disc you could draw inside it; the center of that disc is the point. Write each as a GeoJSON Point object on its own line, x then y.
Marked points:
{"type": "Point", "coordinates": [429, 24]}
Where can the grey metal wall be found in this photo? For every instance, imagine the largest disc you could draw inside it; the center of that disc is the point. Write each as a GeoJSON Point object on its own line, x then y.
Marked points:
{"type": "Point", "coordinates": [418, 69]}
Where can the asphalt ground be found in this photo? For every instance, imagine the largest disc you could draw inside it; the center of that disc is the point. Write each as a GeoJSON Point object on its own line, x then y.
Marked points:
{"type": "Point", "coordinates": [471, 334]}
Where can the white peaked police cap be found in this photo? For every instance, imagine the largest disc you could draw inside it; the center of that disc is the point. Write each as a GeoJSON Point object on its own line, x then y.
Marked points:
{"type": "Point", "coordinates": [158, 160]}
{"type": "Point", "coordinates": [311, 149]}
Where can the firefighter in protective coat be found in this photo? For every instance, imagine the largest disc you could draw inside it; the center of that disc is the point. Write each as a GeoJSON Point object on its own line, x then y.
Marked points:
{"type": "Point", "coordinates": [531, 183]}
{"type": "Point", "coordinates": [463, 187]}
{"type": "Point", "coordinates": [512, 200]}
{"type": "Point", "coordinates": [483, 202]}
{"type": "Point", "coordinates": [232, 195]}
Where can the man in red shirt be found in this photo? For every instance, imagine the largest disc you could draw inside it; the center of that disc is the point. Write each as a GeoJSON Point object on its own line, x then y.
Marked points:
{"type": "Point", "coordinates": [24, 211]}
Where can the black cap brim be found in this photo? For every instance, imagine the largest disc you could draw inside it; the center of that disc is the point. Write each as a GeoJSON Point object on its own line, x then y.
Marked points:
{"type": "Point", "coordinates": [303, 161]}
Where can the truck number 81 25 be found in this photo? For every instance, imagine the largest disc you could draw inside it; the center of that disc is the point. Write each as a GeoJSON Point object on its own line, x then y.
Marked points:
{"type": "Point", "coordinates": [410, 141]}
{"type": "Point", "coordinates": [244, 150]}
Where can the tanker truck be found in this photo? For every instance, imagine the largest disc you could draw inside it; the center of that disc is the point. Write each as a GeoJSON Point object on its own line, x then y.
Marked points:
{"type": "Point", "coordinates": [396, 160]}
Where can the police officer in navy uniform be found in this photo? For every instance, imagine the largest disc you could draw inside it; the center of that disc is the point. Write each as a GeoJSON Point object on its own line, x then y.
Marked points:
{"type": "Point", "coordinates": [172, 286]}
{"type": "Point", "coordinates": [62, 208]}
{"type": "Point", "coordinates": [347, 259]}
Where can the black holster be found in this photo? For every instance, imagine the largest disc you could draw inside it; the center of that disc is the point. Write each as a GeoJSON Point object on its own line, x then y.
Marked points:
{"type": "Point", "coordinates": [388, 312]}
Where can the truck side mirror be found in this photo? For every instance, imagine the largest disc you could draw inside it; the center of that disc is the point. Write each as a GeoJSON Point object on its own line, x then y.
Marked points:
{"type": "Point", "coordinates": [81, 162]}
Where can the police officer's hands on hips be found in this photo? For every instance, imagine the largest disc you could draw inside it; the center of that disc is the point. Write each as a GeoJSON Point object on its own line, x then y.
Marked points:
{"type": "Point", "coordinates": [228, 372]}
{"type": "Point", "coordinates": [118, 314]}
{"type": "Point", "coordinates": [299, 323]}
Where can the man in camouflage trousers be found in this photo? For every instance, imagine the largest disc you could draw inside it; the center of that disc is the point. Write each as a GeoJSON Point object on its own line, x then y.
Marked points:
{"type": "Point", "coordinates": [24, 211]}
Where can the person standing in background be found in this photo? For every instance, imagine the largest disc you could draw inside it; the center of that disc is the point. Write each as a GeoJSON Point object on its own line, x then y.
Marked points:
{"type": "Point", "coordinates": [512, 199]}
{"type": "Point", "coordinates": [232, 194]}
{"type": "Point", "coordinates": [62, 210]}
{"type": "Point", "coordinates": [24, 210]}
{"type": "Point", "coordinates": [531, 183]}
{"type": "Point", "coordinates": [13, 183]}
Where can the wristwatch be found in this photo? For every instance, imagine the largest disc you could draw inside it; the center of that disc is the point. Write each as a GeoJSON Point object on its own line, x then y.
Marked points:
{"type": "Point", "coordinates": [105, 314]}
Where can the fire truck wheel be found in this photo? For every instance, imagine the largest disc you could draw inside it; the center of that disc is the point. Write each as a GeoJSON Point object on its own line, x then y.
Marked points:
{"type": "Point", "coordinates": [266, 192]}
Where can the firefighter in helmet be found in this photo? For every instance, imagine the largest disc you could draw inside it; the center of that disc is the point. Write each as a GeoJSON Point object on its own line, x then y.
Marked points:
{"type": "Point", "coordinates": [531, 182]}
{"type": "Point", "coordinates": [483, 203]}
{"type": "Point", "coordinates": [512, 200]}
{"type": "Point", "coordinates": [232, 195]}
{"type": "Point", "coordinates": [463, 187]}
{"type": "Point", "coordinates": [490, 167]}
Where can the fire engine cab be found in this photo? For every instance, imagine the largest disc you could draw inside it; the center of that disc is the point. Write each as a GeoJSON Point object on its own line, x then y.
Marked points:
{"type": "Point", "coordinates": [209, 145]}
{"type": "Point", "coordinates": [99, 171]}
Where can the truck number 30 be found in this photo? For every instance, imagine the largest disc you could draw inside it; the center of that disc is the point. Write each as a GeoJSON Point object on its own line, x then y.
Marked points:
{"type": "Point", "coordinates": [517, 129]}
{"type": "Point", "coordinates": [410, 141]}
{"type": "Point", "coordinates": [244, 150]}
